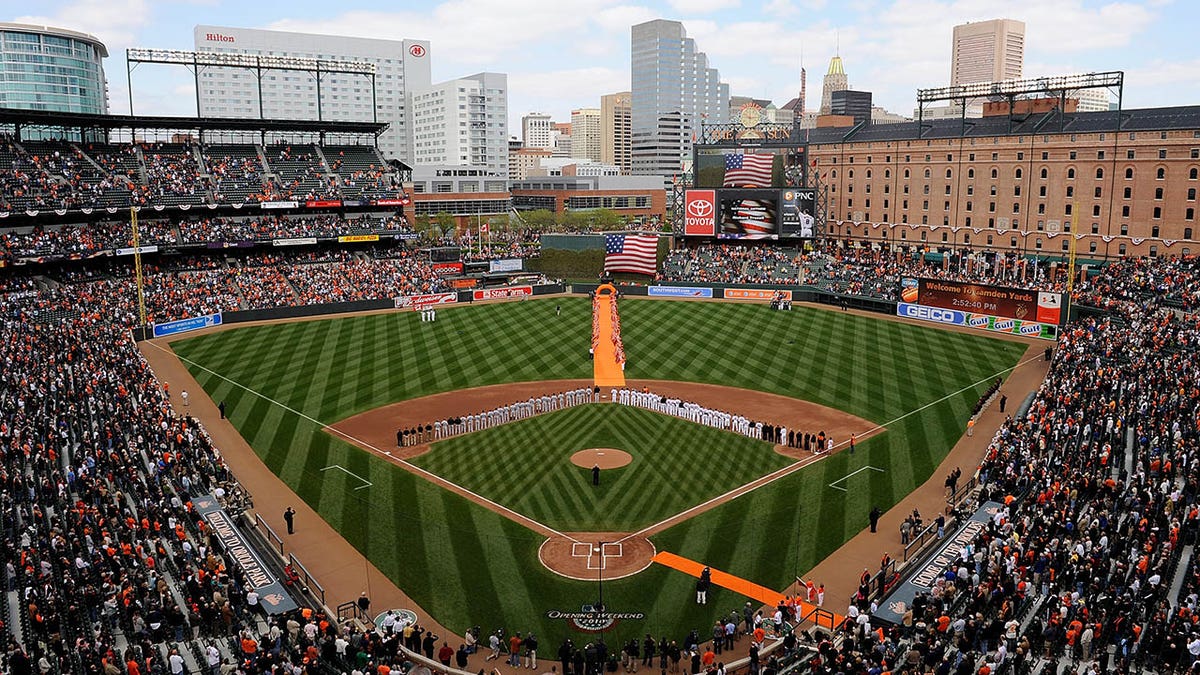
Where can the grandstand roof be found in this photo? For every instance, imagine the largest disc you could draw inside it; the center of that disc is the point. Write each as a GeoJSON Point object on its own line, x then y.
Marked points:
{"type": "Point", "coordinates": [1142, 119]}
{"type": "Point", "coordinates": [45, 118]}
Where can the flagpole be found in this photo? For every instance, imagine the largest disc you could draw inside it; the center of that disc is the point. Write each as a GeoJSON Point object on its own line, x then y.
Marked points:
{"type": "Point", "coordinates": [1071, 261]}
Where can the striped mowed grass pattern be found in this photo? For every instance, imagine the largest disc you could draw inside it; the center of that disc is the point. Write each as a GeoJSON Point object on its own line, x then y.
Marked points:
{"type": "Point", "coordinates": [469, 566]}
{"type": "Point", "coordinates": [526, 466]}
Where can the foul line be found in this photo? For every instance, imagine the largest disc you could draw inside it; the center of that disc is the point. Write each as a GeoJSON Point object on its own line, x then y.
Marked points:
{"type": "Point", "coordinates": [792, 468]}
{"type": "Point", "coordinates": [431, 477]}
{"type": "Point", "coordinates": [834, 483]}
{"type": "Point", "coordinates": [366, 483]}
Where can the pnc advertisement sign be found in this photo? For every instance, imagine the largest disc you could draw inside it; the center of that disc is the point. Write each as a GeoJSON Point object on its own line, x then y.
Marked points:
{"type": "Point", "coordinates": [700, 213]}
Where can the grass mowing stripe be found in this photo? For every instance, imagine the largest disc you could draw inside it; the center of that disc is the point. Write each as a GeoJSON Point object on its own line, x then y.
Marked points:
{"type": "Point", "coordinates": [804, 353]}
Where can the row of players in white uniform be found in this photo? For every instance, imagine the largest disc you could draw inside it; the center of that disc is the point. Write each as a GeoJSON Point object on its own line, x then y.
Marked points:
{"type": "Point", "coordinates": [536, 405]}
{"type": "Point", "coordinates": [694, 412]}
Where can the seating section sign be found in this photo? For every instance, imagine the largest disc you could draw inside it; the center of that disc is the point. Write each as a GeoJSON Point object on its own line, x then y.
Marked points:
{"type": "Point", "coordinates": [273, 596]}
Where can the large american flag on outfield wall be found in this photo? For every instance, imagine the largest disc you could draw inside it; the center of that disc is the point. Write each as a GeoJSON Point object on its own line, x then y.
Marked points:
{"type": "Point", "coordinates": [631, 253]}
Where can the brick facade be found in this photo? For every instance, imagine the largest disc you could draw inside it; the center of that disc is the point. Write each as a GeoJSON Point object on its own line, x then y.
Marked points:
{"type": "Point", "coordinates": [1135, 191]}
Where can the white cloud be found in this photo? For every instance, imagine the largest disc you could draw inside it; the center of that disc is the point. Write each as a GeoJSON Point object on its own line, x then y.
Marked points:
{"type": "Point", "coordinates": [702, 6]}
{"type": "Point", "coordinates": [621, 18]}
{"type": "Point", "coordinates": [557, 92]}
{"type": "Point", "coordinates": [115, 22]}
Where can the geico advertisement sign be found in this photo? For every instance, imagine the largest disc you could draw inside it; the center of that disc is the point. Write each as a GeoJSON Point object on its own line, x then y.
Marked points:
{"type": "Point", "coordinates": [935, 314]}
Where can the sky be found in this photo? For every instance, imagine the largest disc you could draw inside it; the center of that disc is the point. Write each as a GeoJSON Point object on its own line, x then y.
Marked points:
{"type": "Point", "coordinates": [564, 54]}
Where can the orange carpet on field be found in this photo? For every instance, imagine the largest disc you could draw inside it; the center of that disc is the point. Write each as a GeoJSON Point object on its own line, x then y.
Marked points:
{"type": "Point", "coordinates": [605, 368]}
{"type": "Point", "coordinates": [747, 588]}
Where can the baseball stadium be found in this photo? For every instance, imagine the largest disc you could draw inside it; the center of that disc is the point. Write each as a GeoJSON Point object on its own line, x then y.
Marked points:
{"type": "Point", "coordinates": [273, 406]}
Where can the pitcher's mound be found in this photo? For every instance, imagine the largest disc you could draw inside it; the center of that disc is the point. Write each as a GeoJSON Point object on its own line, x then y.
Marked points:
{"type": "Point", "coordinates": [605, 458]}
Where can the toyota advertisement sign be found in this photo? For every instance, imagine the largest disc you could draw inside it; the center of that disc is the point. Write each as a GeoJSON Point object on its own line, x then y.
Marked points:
{"type": "Point", "coordinates": [700, 213]}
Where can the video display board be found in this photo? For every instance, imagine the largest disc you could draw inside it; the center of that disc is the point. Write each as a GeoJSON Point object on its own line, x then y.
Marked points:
{"type": "Point", "coordinates": [1011, 303]}
{"type": "Point", "coordinates": [755, 168]}
{"type": "Point", "coordinates": [750, 214]}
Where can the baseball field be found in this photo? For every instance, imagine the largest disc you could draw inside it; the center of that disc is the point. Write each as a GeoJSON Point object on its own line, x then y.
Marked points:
{"type": "Point", "coordinates": [470, 555]}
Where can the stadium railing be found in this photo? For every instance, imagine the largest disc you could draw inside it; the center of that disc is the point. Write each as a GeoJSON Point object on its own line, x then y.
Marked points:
{"type": "Point", "coordinates": [268, 532]}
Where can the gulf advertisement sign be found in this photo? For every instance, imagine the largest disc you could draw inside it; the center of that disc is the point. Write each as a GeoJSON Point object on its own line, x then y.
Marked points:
{"type": "Point", "coordinates": [750, 294]}
{"type": "Point", "coordinates": [700, 213]}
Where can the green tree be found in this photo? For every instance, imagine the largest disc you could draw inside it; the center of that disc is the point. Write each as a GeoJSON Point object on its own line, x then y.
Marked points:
{"type": "Point", "coordinates": [540, 220]}
{"type": "Point", "coordinates": [445, 222]}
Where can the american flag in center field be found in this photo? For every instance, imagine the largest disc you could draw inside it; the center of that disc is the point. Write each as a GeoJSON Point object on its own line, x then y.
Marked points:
{"type": "Point", "coordinates": [630, 253]}
{"type": "Point", "coordinates": [748, 170]}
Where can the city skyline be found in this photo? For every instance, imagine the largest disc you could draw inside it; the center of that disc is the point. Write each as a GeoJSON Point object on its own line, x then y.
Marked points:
{"type": "Point", "coordinates": [564, 56]}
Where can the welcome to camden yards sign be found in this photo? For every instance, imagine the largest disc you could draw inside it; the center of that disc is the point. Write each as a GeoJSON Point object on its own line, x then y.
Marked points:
{"type": "Point", "coordinates": [590, 621]}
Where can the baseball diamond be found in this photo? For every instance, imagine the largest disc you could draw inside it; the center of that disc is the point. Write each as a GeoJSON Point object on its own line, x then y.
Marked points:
{"type": "Point", "coordinates": [460, 525]}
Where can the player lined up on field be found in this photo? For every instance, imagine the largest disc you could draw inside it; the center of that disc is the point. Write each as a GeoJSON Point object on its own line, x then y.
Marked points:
{"type": "Point", "coordinates": [535, 405]}
{"type": "Point", "coordinates": [719, 419]}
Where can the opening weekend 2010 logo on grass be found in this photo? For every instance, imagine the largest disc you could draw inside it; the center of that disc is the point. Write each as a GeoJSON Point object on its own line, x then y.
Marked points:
{"type": "Point", "coordinates": [591, 620]}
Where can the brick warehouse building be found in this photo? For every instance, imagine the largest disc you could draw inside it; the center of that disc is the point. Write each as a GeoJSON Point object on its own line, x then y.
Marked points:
{"type": "Point", "coordinates": [1011, 182]}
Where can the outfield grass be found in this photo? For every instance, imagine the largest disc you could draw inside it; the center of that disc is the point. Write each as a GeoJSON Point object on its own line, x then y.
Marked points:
{"type": "Point", "coordinates": [676, 465]}
{"type": "Point", "coordinates": [469, 566]}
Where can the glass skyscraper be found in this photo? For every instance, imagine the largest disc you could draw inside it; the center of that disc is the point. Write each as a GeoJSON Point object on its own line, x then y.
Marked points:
{"type": "Point", "coordinates": [44, 68]}
{"type": "Point", "coordinates": [674, 92]}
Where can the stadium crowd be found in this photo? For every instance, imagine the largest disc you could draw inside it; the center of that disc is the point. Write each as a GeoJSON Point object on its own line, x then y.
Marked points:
{"type": "Point", "coordinates": [41, 175]}
{"type": "Point", "coordinates": [1099, 490]}
{"type": "Point", "coordinates": [850, 271]}
{"type": "Point", "coordinates": [113, 569]}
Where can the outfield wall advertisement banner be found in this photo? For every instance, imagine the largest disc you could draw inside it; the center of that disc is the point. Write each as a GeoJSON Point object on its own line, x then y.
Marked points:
{"type": "Point", "coordinates": [897, 602]}
{"type": "Point", "coordinates": [995, 324]}
{"type": "Point", "coordinates": [505, 265]}
{"type": "Point", "coordinates": [447, 269]}
{"type": "Point", "coordinates": [1011, 303]}
{"type": "Point", "coordinates": [273, 596]}
{"type": "Point", "coordinates": [140, 249]}
{"type": "Point", "coordinates": [501, 293]}
{"type": "Point", "coordinates": [750, 294]}
{"type": "Point", "coordinates": [186, 325]}
{"type": "Point", "coordinates": [426, 300]}
{"type": "Point", "coordinates": [679, 292]}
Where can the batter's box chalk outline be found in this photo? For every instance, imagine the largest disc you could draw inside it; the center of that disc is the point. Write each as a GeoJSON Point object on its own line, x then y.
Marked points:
{"type": "Point", "coordinates": [581, 549]}
{"type": "Point", "coordinates": [365, 483]}
{"type": "Point", "coordinates": [834, 484]}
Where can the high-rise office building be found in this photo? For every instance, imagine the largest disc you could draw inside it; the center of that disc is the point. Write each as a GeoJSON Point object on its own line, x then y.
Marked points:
{"type": "Point", "coordinates": [44, 68]}
{"type": "Point", "coordinates": [537, 131]}
{"type": "Point", "coordinates": [856, 104]}
{"type": "Point", "coordinates": [988, 51]}
{"type": "Point", "coordinates": [835, 80]}
{"type": "Point", "coordinates": [674, 91]}
{"type": "Point", "coordinates": [615, 130]}
{"type": "Point", "coordinates": [402, 66]}
{"type": "Point", "coordinates": [462, 122]}
{"type": "Point", "coordinates": [560, 139]}
{"type": "Point", "coordinates": [585, 134]}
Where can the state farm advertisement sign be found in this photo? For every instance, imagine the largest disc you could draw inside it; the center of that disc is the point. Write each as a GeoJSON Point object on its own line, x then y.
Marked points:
{"type": "Point", "coordinates": [700, 213]}
{"type": "Point", "coordinates": [501, 293]}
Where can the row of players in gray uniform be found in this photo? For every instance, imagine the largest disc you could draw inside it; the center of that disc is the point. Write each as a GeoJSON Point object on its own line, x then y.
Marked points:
{"type": "Point", "coordinates": [694, 412]}
{"type": "Point", "coordinates": [512, 412]}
